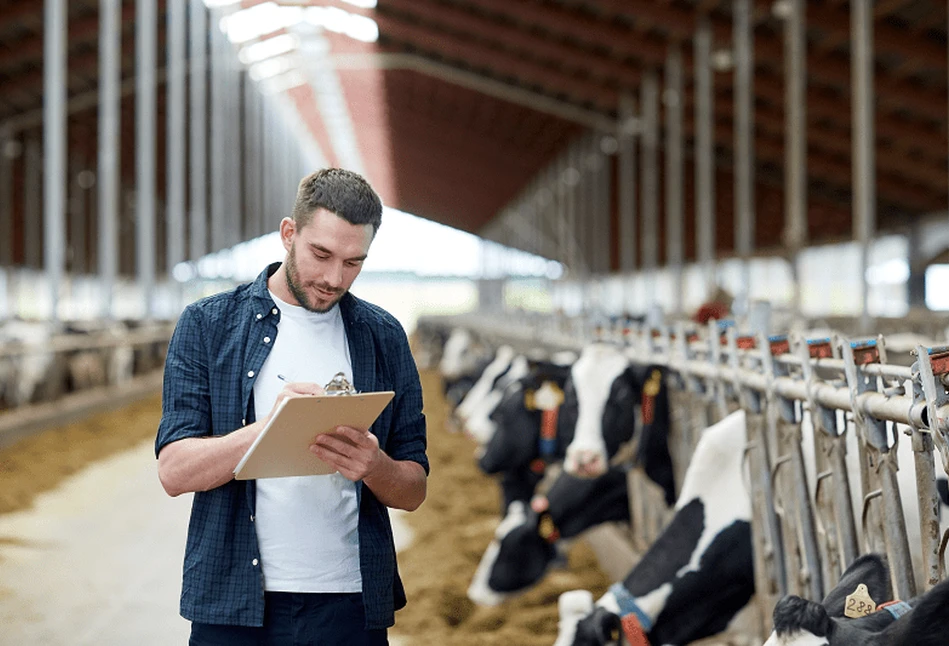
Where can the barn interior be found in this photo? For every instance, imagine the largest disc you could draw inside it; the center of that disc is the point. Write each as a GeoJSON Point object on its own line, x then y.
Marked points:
{"type": "Point", "coordinates": [696, 180]}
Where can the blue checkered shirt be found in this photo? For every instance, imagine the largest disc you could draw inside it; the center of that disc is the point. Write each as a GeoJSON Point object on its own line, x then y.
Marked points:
{"type": "Point", "coordinates": [216, 351]}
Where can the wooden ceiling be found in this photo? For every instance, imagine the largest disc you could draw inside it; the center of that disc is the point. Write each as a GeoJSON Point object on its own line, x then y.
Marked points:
{"type": "Point", "coordinates": [469, 99]}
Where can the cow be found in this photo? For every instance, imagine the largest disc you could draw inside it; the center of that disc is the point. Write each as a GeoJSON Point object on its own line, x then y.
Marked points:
{"type": "Point", "coordinates": [536, 421]}
{"type": "Point", "coordinates": [529, 541]}
{"type": "Point", "coordinates": [699, 573]}
{"type": "Point", "coordinates": [918, 622]}
{"type": "Point", "coordinates": [462, 362]}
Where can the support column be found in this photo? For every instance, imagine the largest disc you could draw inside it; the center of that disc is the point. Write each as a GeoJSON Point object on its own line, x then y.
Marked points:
{"type": "Point", "coordinates": [704, 156]}
{"type": "Point", "coordinates": [175, 137]}
{"type": "Point", "coordinates": [198, 221]}
{"type": "Point", "coordinates": [674, 172]}
{"type": "Point", "coordinates": [146, 26]}
{"type": "Point", "coordinates": [795, 132]}
{"type": "Point", "coordinates": [54, 148]}
{"type": "Point", "coordinates": [627, 183]}
{"type": "Point", "coordinates": [864, 140]}
{"type": "Point", "coordinates": [744, 145]}
{"type": "Point", "coordinates": [110, 65]}
{"type": "Point", "coordinates": [649, 105]}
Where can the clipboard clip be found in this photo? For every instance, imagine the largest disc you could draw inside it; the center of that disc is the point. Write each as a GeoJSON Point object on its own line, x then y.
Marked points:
{"type": "Point", "coordinates": [339, 385]}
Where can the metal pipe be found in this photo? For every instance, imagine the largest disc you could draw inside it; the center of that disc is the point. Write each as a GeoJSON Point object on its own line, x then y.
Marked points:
{"type": "Point", "coordinates": [32, 187]}
{"type": "Point", "coordinates": [198, 213]}
{"type": "Point", "coordinates": [673, 100]}
{"type": "Point", "coordinates": [146, 29]}
{"type": "Point", "coordinates": [649, 187]}
{"type": "Point", "coordinates": [7, 147]}
{"type": "Point", "coordinates": [864, 141]}
{"type": "Point", "coordinates": [704, 151]}
{"type": "Point", "coordinates": [795, 127]}
{"type": "Point", "coordinates": [744, 141]}
{"type": "Point", "coordinates": [218, 146]}
{"type": "Point", "coordinates": [626, 133]}
{"type": "Point", "coordinates": [175, 137]}
{"type": "Point", "coordinates": [54, 148]}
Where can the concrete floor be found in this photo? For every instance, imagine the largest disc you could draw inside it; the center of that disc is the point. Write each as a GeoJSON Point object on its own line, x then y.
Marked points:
{"type": "Point", "coordinates": [98, 560]}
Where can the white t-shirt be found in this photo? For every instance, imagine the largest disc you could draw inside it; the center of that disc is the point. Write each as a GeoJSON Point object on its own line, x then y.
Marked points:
{"type": "Point", "coordinates": [307, 526]}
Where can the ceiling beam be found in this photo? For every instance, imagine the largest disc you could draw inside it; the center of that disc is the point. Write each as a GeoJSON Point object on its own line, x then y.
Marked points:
{"type": "Point", "coordinates": [554, 82]}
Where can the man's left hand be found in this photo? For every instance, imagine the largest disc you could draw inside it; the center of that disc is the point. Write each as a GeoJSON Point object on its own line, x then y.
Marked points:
{"type": "Point", "coordinates": [353, 452]}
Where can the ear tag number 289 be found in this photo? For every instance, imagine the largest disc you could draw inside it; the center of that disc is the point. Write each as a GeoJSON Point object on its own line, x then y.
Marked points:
{"type": "Point", "coordinates": [859, 603]}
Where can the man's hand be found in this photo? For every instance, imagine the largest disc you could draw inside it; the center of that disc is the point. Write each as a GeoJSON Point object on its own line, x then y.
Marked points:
{"type": "Point", "coordinates": [353, 452]}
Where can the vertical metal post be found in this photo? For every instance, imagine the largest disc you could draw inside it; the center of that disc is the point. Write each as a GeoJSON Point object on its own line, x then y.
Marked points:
{"type": "Point", "coordinates": [674, 172]}
{"type": "Point", "coordinates": [175, 153]}
{"type": "Point", "coordinates": [107, 180]}
{"type": "Point", "coordinates": [627, 183]}
{"type": "Point", "coordinates": [54, 148]}
{"type": "Point", "coordinates": [704, 151]}
{"type": "Point", "coordinates": [218, 148]}
{"type": "Point", "coordinates": [649, 106]}
{"type": "Point", "coordinates": [32, 190]}
{"type": "Point", "coordinates": [76, 214]}
{"type": "Point", "coordinates": [7, 146]}
{"type": "Point", "coordinates": [795, 133]}
{"type": "Point", "coordinates": [198, 223]}
{"type": "Point", "coordinates": [146, 27]}
{"type": "Point", "coordinates": [744, 142]}
{"type": "Point", "coordinates": [250, 137]}
{"type": "Point", "coordinates": [864, 138]}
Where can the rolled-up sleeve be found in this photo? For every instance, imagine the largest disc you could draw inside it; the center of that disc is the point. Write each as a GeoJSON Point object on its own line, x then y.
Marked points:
{"type": "Point", "coordinates": [185, 402]}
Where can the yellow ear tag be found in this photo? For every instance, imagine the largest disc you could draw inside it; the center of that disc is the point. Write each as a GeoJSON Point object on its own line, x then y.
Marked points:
{"type": "Point", "coordinates": [652, 386]}
{"type": "Point", "coordinates": [859, 603]}
{"type": "Point", "coordinates": [529, 400]}
{"type": "Point", "coordinates": [548, 397]}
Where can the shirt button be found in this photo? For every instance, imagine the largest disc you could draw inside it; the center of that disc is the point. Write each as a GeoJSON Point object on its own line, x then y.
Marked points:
{"type": "Point", "coordinates": [244, 422]}
{"type": "Point", "coordinates": [266, 339]}
{"type": "Point", "coordinates": [251, 518]}
{"type": "Point", "coordinates": [273, 311]}
{"type": "Point", "coordinates": [254, 562]}
{"type": "Point", "coordinates": [260, 316]}
{"type": "Point", "coordinates": [250, 373]}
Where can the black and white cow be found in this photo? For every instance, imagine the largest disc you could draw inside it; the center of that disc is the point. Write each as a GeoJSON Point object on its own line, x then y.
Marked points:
{"type": "Point", "coordinates": [919, 622]}
{"type": "Point", "coordinates": [699, 572]}
{"type": "Point", "coordinates": [530, 540]}
{"type": "Point", "coordinates": [523, 441]}
{"type": "Point", "coordinates": [462, 362]}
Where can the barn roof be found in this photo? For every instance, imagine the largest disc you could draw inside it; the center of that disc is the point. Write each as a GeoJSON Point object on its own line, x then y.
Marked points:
{"type": "Point", "coordinates": [461, 106]}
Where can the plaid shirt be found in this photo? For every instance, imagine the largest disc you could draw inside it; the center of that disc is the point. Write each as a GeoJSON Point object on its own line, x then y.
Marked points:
{"type": "Point", "coordinates": [218, 347]}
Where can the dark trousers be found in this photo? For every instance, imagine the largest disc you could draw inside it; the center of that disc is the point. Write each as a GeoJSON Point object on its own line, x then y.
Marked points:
{"type": "Point", "coordinates": [297, 619]}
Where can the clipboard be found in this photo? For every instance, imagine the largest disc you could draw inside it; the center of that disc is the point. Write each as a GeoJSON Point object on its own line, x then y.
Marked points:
{"type": "Point", "coordinates": [282, 448]}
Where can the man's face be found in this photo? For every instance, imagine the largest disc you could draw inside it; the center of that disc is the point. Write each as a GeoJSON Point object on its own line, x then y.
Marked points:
{"type": "Point", "coordinates": [323, 258]}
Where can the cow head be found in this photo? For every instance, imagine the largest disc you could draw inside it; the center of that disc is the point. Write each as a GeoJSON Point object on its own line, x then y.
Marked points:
{"type": "Point", "coordinates": [601, 399]}
{"type": "Point", "coordinates": [515, 443]}
{"type": "Point", "coordinates": [517, 557]}
{"type": "Point", "coordinates": [799, 622]}
{"type": "Point", "coordinates": [529, 541]}
{"type": "Point", "coordinates": [699, 572]}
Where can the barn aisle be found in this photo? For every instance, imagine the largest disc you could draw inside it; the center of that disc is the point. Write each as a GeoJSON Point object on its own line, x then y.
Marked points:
{"type": "Point", "coordinates": [96, 559]}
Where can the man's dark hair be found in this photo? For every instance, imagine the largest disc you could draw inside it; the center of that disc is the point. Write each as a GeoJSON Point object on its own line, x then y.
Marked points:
{"type": "Point", "coordinates": [340, 191]}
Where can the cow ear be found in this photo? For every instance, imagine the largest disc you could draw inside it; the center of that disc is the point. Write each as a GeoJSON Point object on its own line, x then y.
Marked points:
{"type": "Point", "coordinates": [872, 571]}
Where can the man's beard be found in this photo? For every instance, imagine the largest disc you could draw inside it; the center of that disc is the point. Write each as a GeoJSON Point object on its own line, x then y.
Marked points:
{"type": "Point", "coordinates": [299, 292]}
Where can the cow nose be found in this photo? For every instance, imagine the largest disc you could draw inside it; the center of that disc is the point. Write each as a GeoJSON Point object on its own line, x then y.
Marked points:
{"type": "Point", "coordinates": [586, 463]}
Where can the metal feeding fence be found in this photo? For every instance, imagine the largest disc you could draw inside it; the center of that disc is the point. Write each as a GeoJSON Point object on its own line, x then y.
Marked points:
{"type": "Point", "coordinates": [808, 402]}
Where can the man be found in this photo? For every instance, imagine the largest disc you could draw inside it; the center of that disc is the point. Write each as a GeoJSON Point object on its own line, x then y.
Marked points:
{"type": "Point", "coordinates": [298, 560]}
